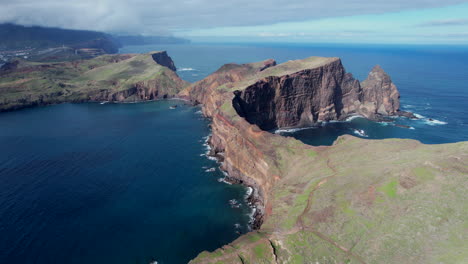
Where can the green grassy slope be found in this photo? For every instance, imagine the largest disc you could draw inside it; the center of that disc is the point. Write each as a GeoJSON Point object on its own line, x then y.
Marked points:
{"type": "Point", "coordinates": [87, 80]}
{"type": "Point", "coordinates": [358, 201]}
{"type": "Point", "coordinates": [362, 201]}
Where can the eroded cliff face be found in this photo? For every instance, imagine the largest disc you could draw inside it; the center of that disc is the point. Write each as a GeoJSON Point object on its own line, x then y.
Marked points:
{"type": "Point", "coordinates": [115, 78]}
{"type": "Point", "coordinates": [234, 139]}
{"type": "Point", "coordinates": [380, 93]}
{"type": "Point", "coordinates": [211, 91]}
{"type": "Point", "coordinates": [296, 94]}
{"type": "Point", "coordinates": [161, 58]}
{"type": "Point", "coordinates": [165, 86]}
{"type": "Point", "coordinates": [348, 203]}
{"type": "Point", "coordinates": [309, 96]}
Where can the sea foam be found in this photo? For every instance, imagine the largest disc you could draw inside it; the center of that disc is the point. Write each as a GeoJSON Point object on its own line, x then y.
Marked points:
{"type": "Point", "coordinates": [186, 69]}
{"type": "Point", "coordinates": [360, 132]}
{"type": "Point", "coordinates": [430, 121]}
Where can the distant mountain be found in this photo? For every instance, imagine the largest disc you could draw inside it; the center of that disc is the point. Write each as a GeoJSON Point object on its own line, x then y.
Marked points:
{"type": "Point", "coordinates": [44, 44]}
{"type": "Point", "coordinates": [22, 37]}
{"type": "Point", "coordinates": [146, 40]}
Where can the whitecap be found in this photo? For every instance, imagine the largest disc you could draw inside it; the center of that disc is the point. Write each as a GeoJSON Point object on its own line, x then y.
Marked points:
{"type": "Point", "coordinates": [360, 132]}
{"type": "Point", "coordinates": [351, 118]}
{"type": "Point", "coordinates": [291, 130]}
{"type": "Point", "coordinates": [434, 122]}
{"type": "Point", "coordinates": [224, 180]}
{"type": "Point", "coordinates": [419, 116]}
{"type": "Point", "coordinates": [248, 192]}
{"type": "Point", "coordinates": [186, 69]}
{"type": "Point", "coordinates": [234, 203]}
{"type": "Point", "coordinates": [210, 170]}
{"type": "Point", "coordinates": [251, 215]}
{"type": "Point", "coordinates": [430, 121]}
{"type": "Point", "coordinates": [384, 123]}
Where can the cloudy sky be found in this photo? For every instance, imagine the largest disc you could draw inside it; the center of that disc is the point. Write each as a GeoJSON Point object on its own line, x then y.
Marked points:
{"type": "Point", "coordinates": [366, 21]}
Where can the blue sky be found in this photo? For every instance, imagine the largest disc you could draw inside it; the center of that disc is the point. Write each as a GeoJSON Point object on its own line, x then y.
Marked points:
{"type": "Point", "coordinates": [442, 25]}
{"type": "Point", "coordinates": [348, 21]}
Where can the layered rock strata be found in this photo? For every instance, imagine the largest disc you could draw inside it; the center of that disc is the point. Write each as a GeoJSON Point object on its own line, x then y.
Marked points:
{"type": "Point", "coordinates": [353, 202]}
{"type": "Point", "coordinates": [315, 95]}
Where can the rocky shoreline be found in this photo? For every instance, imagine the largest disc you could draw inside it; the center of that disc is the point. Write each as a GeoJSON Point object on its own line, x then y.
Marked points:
{"type": "Point", "coordinates": [253, 198]}
{"type": "Point", "coordinates": [112, 78]}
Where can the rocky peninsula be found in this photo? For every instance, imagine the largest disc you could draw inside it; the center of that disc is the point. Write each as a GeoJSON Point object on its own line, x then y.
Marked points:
{"type": "Point", "coordinates": [112, 78]}
{"type": "Point", "coordinates": [358, 201]}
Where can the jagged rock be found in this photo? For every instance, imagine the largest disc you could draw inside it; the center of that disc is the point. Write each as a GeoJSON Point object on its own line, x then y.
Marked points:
{"type": "Point", "coordinates": [314, 95]}
{"type": "Point", "coordinates": [161, 58]}
{"type": "Point", "coordinates": [378, 89]}
{"type": "Point", "coordinates": [330, 203]}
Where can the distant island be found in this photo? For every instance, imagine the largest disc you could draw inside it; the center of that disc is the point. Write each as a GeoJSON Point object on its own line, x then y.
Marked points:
{"type": "Point", "coordinates": [45, 44]}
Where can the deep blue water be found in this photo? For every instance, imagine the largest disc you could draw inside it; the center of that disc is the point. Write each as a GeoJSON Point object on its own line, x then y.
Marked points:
{"type": "Point", "coordinates": [125, 183]}
{"type": "Point", "coordinates": [113, 183]}
{"type": "Point", "coordinates": [432, 80]}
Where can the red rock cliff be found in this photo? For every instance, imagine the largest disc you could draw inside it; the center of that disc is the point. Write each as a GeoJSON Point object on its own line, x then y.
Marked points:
{"type": "Point", "coordinates": [295, 94]}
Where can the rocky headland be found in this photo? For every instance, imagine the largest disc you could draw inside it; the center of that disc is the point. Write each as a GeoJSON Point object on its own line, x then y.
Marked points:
{"type": "Point", "coordinates": [358, 201]}
{"type": "Point", "coordinates": [112, 78]}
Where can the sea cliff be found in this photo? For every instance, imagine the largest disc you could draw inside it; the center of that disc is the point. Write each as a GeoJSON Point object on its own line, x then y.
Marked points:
{"type": "Point", "coordinates": [353, 202]}
{"type": "Point", "coordinates": [113, 78]}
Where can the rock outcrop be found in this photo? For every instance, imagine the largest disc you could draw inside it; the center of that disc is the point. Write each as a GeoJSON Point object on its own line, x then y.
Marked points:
{"type": "Point", "coordinates": [347, 203]}
{"type": "Point", "coordinates": [161, 58]}
{"type": "Point", "coordinates": [320, 94]}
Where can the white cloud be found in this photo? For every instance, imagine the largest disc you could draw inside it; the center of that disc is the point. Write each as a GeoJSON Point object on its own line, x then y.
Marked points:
{"type": "Point", "coordinates": [156, 16]}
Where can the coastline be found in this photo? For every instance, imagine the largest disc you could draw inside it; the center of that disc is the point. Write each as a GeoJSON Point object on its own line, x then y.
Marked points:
{"type": "Point", "coordinates": [252, 196]}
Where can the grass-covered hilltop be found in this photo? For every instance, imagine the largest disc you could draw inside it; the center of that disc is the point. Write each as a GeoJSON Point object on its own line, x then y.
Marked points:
{"type": "Point", "coordinates": [358, 201]}
{"type": "Point", "coordinates": [115, 78]}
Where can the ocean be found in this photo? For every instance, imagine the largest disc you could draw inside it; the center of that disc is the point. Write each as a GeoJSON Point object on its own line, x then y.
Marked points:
{"type": "Point", "coordinates": [432, 80]}
{"type": "Point", "coordinates": [112, 183]}
{"type": "Point", "coordinates": [130, 183]}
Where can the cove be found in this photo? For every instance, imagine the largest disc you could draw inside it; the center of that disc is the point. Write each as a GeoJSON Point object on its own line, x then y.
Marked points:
{"type": "Point", "coordinates": [112, 183]}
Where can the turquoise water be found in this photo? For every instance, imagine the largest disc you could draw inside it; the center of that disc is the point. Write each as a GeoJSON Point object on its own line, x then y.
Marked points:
{"type": "Point", "coordinates": [432, 80]}
{"type": "Point", "coordinates": [112, 183]}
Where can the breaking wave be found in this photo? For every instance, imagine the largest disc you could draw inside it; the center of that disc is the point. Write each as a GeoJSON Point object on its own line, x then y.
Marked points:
{"type": "Point", "coordinates": [360, 132]}
{"type": "Point", "coordinates": [430, 121]}
{"type": "Point", "coordinates": [186, 69]}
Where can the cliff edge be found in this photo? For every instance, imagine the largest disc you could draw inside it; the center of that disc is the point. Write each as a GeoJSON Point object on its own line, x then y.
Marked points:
{"type": "Point", "coordinates": [358, 201]}
{"type": "Point", "coordinates": [319, 90]}
{"type": "Point", "coordinates": [114, 78]}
